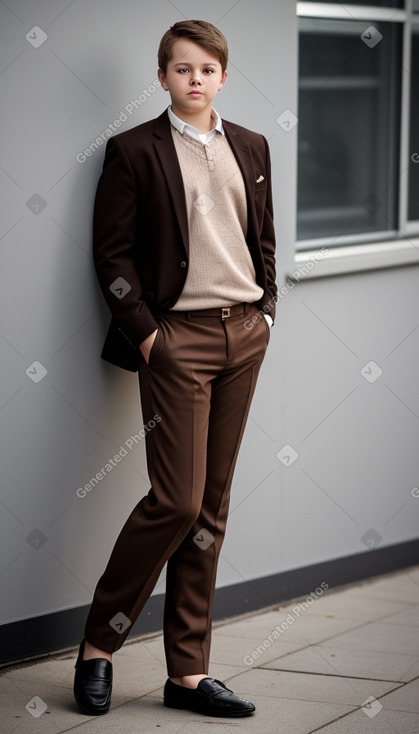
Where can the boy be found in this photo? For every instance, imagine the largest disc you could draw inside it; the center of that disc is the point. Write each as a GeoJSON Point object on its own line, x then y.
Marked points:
{"type": "Point", "coordinates": [184, 252]}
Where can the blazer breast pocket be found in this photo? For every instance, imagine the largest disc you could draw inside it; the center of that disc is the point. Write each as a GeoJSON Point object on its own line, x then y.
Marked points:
{"type": "Point", "coordinates": [260, 184]}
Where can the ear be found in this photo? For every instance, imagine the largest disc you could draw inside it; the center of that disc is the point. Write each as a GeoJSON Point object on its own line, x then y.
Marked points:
{"type": "Point", "coordinates": [162, 79]}
{"type": "Point", "coordinates": [222, 81]}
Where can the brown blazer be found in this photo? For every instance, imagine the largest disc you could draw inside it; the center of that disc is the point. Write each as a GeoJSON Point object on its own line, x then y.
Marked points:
{"type": "Point", "coordinates": [140, 229]}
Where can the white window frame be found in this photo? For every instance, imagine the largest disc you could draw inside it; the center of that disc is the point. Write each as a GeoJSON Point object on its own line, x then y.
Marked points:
{"type": "Point", "coordinates": [370, 251]}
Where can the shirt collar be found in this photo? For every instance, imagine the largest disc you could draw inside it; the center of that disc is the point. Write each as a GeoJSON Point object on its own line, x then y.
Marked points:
{"type": "Point", "coordinates": [184, 127]}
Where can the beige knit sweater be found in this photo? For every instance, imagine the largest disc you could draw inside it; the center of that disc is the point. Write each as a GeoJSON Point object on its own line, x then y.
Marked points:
{"type": "Point", "coordinates": [221, 271]}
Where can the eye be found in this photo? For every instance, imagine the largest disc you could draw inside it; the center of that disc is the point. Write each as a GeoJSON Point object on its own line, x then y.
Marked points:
{"type": "Point", "coordinates": [180, 71]}
{"type": "Point", "coordinates": [209, 71]}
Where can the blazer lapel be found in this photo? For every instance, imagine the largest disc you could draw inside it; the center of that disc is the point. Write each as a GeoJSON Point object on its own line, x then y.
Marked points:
{"type": "Point", "coordinates": [166, 153]}
{"type": "Point", "coordinates": [241, 150]}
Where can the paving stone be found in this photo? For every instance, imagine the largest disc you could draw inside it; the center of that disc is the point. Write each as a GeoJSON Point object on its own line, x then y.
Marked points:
{"type": "Point", "coordinates": [402, 587]}
{"type": "Point", "coordinates": [51, 709]}
{"type": "Point", "coordinates": [272, 716]}
{"type": "Point", "coordinates": [385, 722]}
{"type": "Point", "coordinates": [309, 687]}
{"type": "Point", "coordinates": [304, 629]}
{"type": "Point", "coordinates": [379, 637]}
{"type": "Point", "coordinates": [341, 661]}
{"type": "Point", "coordinates": [55, 672]}
{"type": "Point", "coordinates": [408, 617]}
{"type": "Point", "coordinates": [348, 603]}
{"type": "Point", "coordinates": [237, 650]}
{"type": "Point", "coordinates": [404, 699]}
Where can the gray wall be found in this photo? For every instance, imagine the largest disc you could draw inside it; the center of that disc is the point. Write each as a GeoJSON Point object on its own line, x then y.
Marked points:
{"type": "Point", "coordinates": [356, 440]}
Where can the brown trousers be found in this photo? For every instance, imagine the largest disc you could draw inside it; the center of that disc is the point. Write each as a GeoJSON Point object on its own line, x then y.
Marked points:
{"type": "Point", "coordinates": [199, 381]}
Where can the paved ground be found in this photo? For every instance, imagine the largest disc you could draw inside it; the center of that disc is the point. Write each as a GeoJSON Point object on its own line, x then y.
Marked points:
{"type": "Point", "coordinates": [346, 662]}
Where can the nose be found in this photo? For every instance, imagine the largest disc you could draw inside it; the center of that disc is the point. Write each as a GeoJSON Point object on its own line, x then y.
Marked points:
{"type": "Point", "coordinates": [195, 77]}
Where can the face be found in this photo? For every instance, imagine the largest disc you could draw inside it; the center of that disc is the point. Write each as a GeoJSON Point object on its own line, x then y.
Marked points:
{"type": "Point", "coordinates": [193, 77]}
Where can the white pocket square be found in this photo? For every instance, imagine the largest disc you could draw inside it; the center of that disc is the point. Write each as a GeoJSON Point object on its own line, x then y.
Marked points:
{"type": "Point", "coordinates": [261, 178]}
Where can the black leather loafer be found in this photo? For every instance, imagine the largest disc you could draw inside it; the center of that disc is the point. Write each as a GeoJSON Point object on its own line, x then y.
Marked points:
{"type": "Point", "coordinates": [92, 684]}
{"type": "Point", "coordinates": [211, 698]}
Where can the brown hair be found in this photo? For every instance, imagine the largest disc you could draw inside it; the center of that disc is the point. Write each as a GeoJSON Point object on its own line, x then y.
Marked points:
{"type": "Point", "coordinates": [200, 32]}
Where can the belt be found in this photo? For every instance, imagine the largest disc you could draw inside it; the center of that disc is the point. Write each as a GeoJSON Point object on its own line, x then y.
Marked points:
{"type": "Point", "coordinates": [223, 312]}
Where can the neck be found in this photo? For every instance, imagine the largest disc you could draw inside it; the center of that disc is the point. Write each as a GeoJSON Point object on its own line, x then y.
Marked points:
{"type": "Point", "coordinates": [201, 120]}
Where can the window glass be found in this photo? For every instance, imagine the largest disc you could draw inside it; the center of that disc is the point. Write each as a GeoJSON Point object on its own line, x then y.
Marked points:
{"type": "Point", "coordinates": [375, 3]}
{"type": "Point", "coordinates": [348, 110]}
{"type": "Point", "coordinates": [413, 208]}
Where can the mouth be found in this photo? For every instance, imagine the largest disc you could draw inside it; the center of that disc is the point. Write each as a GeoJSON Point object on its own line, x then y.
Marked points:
{"type": "Point", "coordinates": [195, 93]}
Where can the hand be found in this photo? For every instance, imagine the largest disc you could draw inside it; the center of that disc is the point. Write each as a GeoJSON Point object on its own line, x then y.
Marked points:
{"type": "Point", "coordinates": [146, 345]}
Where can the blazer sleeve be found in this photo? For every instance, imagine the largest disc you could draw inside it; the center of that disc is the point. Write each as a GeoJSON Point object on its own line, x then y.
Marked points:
{"type": "Point", "coordinates": [114, 242]}
{"type": "Point", "coordinates": [267, 243]}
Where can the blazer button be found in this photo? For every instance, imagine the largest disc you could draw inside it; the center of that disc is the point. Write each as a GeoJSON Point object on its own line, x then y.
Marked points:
{"type": "Point", "coordinates": [183, 263]}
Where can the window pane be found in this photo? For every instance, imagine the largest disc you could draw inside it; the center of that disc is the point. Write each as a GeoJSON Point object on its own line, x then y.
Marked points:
{"type": "Point", "coordinates": [349, 108]}
{"type": "Point", "coordinates": [413, 212]}
{"type": "Point", "coordinates": [375, 3]}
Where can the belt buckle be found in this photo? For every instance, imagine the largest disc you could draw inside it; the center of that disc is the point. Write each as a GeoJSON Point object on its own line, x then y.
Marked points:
{"type": "Point", "coordinates": [225, 313]}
